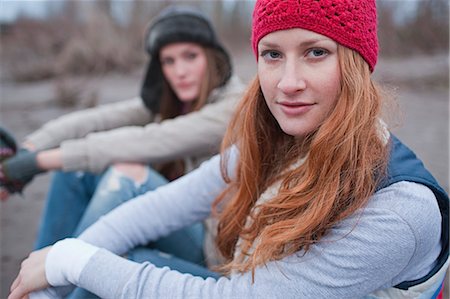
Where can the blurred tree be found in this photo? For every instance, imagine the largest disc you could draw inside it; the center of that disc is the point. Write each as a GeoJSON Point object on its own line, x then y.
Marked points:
{"type": "Point", "coordinates": [387, 32]}
{"type": "Point", "coordinates": [104, 6]}
{"type": "Point", "coordinates": [424, 31]}
{"type": "Point", "coordinates": [88, 37]}
{"type": "Point", "coordinates": [429, 31]}
{"type": "Point", "coordinates": [70, 11]}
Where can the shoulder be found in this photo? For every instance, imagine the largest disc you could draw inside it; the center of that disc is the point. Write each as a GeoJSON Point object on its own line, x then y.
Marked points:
{"type": "Point", "coordinates": [404, 217]}
{"type": "Point", "coordinates": [399, 229]}
{"type": "Point", "coordinates": [235, 85]}
{"type": "Point", "coordinates": [405, 211]}
{"type": "Point", "coordinates": [416, 221]}
{"type": "Point", "coordinates": [232, 90]}
{"type": "Point", "coordinates": [413, 202]}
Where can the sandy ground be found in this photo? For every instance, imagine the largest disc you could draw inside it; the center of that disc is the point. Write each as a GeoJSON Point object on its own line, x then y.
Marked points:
{"type": "Point", "coordinates": [25, 107]}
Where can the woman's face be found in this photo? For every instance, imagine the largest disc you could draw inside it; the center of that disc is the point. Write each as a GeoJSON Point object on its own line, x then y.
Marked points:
{"type": "Point", "coordinates": [300, 78]}
{"type": "Point", "coordinates": [184, 67]}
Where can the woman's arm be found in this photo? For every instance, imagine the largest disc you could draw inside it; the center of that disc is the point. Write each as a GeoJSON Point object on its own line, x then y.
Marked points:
{"type": "Point", "coordinates": [396, 238]}
{"type": "Point", "coordinates": [136, 222]}
{"type": "Point", "coordinates": [196, 133]}
{"type": "Point", "coordinates": [42, 147]}
{"type": "Point", "coordinates": [78, 124]}
{"type": "Point", "coordinates": [93, 139]}
{"type": "Point", "coordinates": [49, 159]}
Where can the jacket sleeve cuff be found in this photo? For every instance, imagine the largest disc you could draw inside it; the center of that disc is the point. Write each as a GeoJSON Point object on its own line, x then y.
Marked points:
{"type": "Point", "coordinates": [41, 140]}
{"type": "Point", "coordinates": [66, 260]}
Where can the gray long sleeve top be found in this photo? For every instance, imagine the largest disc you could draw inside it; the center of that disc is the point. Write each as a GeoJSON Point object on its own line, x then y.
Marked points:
{"type": "Point", "coordinates": [126, 131]}
{"type": "Point", "coordinates": [395, 238]}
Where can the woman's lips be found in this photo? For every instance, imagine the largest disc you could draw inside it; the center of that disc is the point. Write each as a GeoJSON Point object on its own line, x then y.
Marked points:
{"type": "Point", "coordinates": [295, 108]}
{"type": "Point", "coordinates": [184, 85]}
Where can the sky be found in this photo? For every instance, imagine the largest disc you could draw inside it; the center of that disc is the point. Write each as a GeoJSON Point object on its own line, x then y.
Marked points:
{"type": "Point", "coordinates": [11, 9]}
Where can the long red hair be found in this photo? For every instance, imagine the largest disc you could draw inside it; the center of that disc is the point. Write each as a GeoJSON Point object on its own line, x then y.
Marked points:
{"type": "Point", "coordinates": [345, 160]}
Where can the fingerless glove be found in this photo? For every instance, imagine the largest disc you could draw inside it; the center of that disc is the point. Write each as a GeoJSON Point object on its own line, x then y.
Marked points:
{"type": "Point", "coordinates": [17, 171]}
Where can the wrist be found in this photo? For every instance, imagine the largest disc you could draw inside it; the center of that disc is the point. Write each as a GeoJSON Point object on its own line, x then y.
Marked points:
{"type": "Point", "coordinates": [29, 146]}
{"type": "Point", "coordinates": [66, 260]}
{"type": "Point", "coordinates": [49, 159]}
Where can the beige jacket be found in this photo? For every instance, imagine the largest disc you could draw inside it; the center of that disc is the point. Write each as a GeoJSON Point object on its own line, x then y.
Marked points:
{"type": "Point", "coordinates": [125, 131]}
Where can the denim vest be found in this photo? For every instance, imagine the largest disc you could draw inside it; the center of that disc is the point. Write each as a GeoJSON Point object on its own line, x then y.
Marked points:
{"type": "Point", "coordinates": [405, 166]}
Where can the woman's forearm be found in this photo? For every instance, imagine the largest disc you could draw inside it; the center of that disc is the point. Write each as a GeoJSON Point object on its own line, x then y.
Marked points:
{"type": "Point", "coordinates": [49, 159]}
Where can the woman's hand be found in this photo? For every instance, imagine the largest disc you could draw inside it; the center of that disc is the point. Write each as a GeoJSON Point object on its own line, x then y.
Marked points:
{"type": "Point", "coordinates": [31, 276]}
{"type": "Point", "coordinates": [29, 146]}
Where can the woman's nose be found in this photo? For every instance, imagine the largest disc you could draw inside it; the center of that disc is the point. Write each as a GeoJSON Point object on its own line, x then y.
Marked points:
{"type": "Point", "coordinates": [292, 79]}
{"type": "Point", "coordinates": [180, 69]}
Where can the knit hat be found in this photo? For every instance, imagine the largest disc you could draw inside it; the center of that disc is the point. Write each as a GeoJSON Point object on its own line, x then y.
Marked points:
{"type": "Point", "coordinates": [177, 24]}
{"type": "Point", "coordinates": [351, 23]}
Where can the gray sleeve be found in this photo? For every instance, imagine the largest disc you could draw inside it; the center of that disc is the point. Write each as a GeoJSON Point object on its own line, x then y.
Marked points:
{"type": "Point", "coordinates": [197, 133]}
{"type": "Point", "coordinates": [395, 238]}
{"type": "Point", "coordinates": [78, 124]}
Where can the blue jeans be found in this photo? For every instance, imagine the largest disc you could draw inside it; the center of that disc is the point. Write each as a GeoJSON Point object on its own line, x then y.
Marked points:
{"type": "Point", "coordinates": [77, 199]}
{"type": "Point", "coordinates": [67, 200]}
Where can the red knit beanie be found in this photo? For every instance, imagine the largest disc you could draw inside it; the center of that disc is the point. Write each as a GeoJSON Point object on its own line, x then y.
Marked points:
{"type": "Point", "coordinates": [351, 23]}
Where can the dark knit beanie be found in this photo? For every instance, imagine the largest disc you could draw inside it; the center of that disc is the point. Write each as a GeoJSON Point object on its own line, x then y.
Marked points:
{"type": "Point", "coordinates": [351, 23]}
{"type": "Point", "coordinates": [176, 24]}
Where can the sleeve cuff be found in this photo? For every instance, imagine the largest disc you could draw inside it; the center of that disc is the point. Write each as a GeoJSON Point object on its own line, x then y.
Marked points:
{"type": "Point", "coordinates": [66, 260]}
{"type": "Point", "coordinates": [41, 140]}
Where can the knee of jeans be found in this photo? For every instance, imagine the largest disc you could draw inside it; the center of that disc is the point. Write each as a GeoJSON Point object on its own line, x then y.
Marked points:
{"type": "Point", "coordinates": [137, 173]}
{"type": "Point", "coordinates": [113, 181]}
{"type": "Point", "coordinates": [117, 181]}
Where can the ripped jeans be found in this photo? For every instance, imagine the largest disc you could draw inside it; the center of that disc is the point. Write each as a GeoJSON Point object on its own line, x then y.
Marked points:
{"type": "Point", "coordinates": [78, 199]}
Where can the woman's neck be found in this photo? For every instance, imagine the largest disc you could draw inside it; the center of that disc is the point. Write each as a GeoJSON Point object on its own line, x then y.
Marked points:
{"type": "Point", "coordinates": [186, 107]}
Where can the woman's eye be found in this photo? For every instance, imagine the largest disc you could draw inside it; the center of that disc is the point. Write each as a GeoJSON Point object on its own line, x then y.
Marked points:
{"type": "Point", "coordinates": [191, 55]}
{"type": "Point", "coordinates": [317, 52]}
{"type": "Point", "coordinates": [167, 61]}
{"type": "Point", "coordinates": [270, 55]}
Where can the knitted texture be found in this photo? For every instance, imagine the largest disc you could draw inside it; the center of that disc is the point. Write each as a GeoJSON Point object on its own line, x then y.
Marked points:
{"type": "Point", "coordinates": [351, 23]}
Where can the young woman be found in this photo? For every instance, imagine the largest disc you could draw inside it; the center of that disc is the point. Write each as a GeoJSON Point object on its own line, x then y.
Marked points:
{"type": "Point", "coordinates": [315, 198]}
{"type": "Point", "coordinates": [186, 102]}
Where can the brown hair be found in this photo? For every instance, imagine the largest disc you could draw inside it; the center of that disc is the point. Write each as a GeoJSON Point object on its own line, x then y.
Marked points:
{"type": "Point", "coordinates": [345, 160]}
{"type": "Point", "coordinates": [172, 107]}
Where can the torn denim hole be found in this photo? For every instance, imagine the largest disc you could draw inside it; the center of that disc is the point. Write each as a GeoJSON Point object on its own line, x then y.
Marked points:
{"type": "Point", "coordinates": [79, 174]}
{"type": "Point", "coordinates": [113, 183]}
